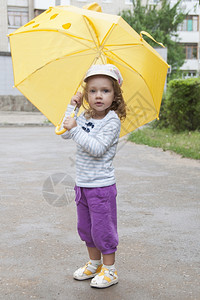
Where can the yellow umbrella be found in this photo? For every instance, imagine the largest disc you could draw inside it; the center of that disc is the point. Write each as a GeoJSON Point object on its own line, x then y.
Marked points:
{"type": "Point", "coordinates": [52, 53]}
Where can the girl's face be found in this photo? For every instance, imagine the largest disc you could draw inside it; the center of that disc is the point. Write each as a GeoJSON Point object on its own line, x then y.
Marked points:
{"type": "Point", "coordinates": [100, 94]}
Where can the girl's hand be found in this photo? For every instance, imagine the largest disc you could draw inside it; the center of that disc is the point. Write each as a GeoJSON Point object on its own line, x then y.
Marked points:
{"type": "Point", "coordinates": [77, 99]}
{"type": "Point", "coordinates": [69, 123]}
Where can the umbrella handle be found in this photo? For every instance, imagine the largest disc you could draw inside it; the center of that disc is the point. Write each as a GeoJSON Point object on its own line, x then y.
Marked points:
{"type": "Point", "coordinates": [58, 131]}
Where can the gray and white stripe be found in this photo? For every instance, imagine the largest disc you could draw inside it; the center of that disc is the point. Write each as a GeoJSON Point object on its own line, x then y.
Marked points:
{"type": "Point", "coordinates": [95, 149]}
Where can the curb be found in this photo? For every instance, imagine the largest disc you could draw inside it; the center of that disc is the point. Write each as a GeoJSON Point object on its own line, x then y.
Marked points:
{"type": "Point", "coordinates": [26, 125]}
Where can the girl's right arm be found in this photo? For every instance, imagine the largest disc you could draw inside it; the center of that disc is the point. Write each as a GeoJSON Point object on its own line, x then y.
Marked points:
{"type": "Point", "coordinates": [70, 108]}
{"type": "Point", "coordinates": [76, 100]}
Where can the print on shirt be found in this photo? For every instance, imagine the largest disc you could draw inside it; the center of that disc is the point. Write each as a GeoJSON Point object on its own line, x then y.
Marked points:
{"type": "Point", "coordinates": [89, 126]}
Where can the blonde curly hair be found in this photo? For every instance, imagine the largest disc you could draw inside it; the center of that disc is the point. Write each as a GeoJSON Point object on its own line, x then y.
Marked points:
{"type": "Point", "coordinates": [118, 105]}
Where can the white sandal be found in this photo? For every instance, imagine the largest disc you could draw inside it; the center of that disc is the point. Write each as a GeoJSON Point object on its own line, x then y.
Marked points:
{"type": "Point", "coordinates": [86, 272]}
{"type": "Point", "coordinates": [104, 279]}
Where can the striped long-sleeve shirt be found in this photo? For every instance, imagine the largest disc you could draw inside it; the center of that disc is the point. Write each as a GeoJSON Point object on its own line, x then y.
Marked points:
{"type": "Point", "coordinates": [96, 141]}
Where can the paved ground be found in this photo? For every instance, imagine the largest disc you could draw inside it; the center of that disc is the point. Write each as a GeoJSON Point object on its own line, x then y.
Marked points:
{"type": "Point", "coordinates": [21, 118]}
{"type": "Point", "coordinates": [158, 217]}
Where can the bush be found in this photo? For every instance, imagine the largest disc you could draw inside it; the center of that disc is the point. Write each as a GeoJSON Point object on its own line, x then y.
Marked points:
{"type": "Point", "coordinates": [162, 122]}
{"type": "Point", "coordinates": [180, 108]}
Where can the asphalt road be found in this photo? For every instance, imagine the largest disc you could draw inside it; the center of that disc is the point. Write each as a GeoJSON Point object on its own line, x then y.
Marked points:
{"type": "Point", "coordinates": [158, 221]}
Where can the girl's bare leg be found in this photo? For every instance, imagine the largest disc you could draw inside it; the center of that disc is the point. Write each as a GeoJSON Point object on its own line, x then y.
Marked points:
{"type": "Point", "coordinates": [109, 259]}
{"type": "Point", "coordinates": [94, 253]}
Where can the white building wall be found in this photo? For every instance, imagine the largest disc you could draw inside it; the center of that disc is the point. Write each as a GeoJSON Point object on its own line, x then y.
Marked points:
{"type": "Point", "coordinates": [189, 36]}
{"type": "Point", "coordinates": [17, 3]}
{"type": "Point", "coordinates": [108, 6]}
{"type": "Point", "coordinates": [6, 77]}
{"type": "Point", "coordinates": [190, 65]}
{"type": "Point", "coordinates": [3, 26]}
{"type": "Point", "coordinates": [38, 4]}
{"type": "Point", "coordinates": [6, 70]}
{"type": "Point", "coordinates": [190, 6]}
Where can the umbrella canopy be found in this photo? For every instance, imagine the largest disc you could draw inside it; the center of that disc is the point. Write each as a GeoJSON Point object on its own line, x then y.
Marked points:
{"type": "Point", "coordinates": [52, 53]}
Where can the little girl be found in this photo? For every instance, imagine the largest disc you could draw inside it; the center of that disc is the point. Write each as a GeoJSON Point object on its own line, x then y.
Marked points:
{"type": "Point", "coordinates": [96, 132]}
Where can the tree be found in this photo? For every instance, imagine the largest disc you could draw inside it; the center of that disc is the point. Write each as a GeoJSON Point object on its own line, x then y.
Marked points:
{"type": "Point", "coordinates": [161, 21]}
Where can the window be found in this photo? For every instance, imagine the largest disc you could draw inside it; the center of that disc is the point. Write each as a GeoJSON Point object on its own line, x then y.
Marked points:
{"type": "Point", "coordinates": [189, 74]}
{"type": "Point", "coordinates": [191, 23]}
{"type": "Point", "coordinates": [153, 2]}
{"type": "Point", "coordinates": [17, 16]}
{"type": "Point", "coordinates": [37, 12]}
{"type": "Point", "coordinates": [128, 1]}
{"type": "Point", "coordinates": [190, 51]}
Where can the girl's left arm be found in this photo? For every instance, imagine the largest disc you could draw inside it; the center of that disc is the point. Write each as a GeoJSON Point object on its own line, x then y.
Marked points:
{"type": "Point", "coordinates": [98, 145]}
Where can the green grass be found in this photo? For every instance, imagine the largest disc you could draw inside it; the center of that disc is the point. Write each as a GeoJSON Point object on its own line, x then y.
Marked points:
{"type": "Point", "coordinates": [186, 144]}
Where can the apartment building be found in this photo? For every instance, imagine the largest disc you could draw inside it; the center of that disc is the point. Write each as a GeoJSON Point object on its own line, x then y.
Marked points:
{"type": "Point", "coordinates": [189, 34]}
{"type": "Point", "coordinates": [13, 14]}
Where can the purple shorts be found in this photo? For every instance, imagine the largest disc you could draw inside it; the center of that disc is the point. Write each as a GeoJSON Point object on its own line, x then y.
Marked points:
{"type": "Point", "coordinates": [97, 217]}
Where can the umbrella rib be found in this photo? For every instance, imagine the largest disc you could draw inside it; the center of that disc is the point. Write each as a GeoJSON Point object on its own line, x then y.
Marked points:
{"type": "Point", "coordinates": [107, 34]}
{"type": "Point", "coordinates": [73, 37]}
{"type": "Point", "coordinates": [89, 21]}
{"type": "Point", "coordinates": [62, 57]}
{"type": "Point", "coordinates": [77, 39]}
{"type": "Point", "coordinates": [122, 63]}
{"type": "Point", "coordinates": [51, 30]}
{"type": "Point", "coordinates": [93, 62]}
{"type": "Point", "coordinates": [126, 65]}
{"type": "Point", "coordinates": [121, 47]}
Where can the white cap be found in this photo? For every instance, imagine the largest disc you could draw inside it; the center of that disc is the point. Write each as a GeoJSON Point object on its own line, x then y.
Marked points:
{"type": "Point", "coordinates": [108, 69]}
